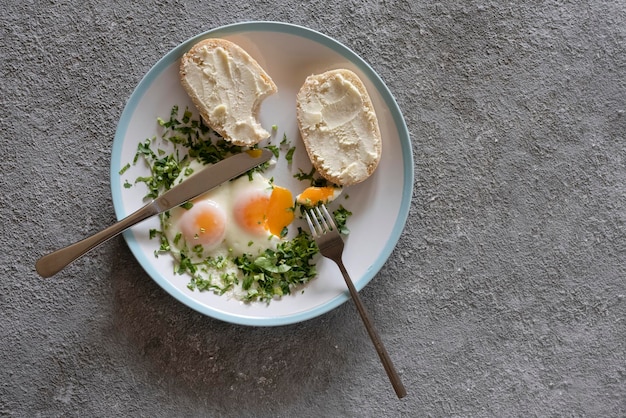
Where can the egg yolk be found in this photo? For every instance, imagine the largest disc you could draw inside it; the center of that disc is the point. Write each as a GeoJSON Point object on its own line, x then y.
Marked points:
{"type": "Point", "coordinates": [312, 196]}
{"type": "Point", "coordinates": [204, 223]}
{"type": "Point", "coordinates": [263, 213]}
{"type": "Point", "coordinates": [255, 153]}
{"type": "Point", "coordinates": [280, 210]}
{"type": "Point", "coordinates": [251, 213]}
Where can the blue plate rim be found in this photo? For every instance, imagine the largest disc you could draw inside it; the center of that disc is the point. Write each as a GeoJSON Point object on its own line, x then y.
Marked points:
{"type": "Point", "coordinates": [296, 30]}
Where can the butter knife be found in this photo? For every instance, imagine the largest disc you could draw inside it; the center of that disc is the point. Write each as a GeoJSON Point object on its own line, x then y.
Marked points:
{"type": "Point", "coordinates": [197, 184]}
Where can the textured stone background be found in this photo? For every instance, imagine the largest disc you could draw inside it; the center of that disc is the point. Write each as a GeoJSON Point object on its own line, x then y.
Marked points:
{"type": "Point", "coordinates": [504, 297]}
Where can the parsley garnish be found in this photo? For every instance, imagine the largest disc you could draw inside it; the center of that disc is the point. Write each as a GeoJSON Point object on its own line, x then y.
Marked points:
{"type": "Point", "coordinates": [313, 178]}
{"type": "Point", "coordinates": [341, 216]}
{"type": "Point", "coordinates": [289, 155]}
{"type": "Point", "coordinates": [275, 150]}
{"type": "Point", "coordinates": [123, 170]}
{"type": "Point", "coordinates": [275, 273]}
{"type": "Point", "coordinates": [302, 176]}
{"type": "Point", "coordinates": [267, 275]}
{"type": "Point", "coordinates": [163, 170]}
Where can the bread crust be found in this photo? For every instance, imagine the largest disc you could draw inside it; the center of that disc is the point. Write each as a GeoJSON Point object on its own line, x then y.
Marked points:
{"type": "Point", "coordinates": [235, 50]}
{"type": "Point", "coordinates": [319, 161]}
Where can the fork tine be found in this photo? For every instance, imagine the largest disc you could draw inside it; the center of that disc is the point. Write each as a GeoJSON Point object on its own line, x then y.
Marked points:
{"type": "Point", "coordinates": [320, 220]}
{"type": "Point", "coordinates": [319, 216]}
{"type": "Point", "coordinates": [308, 221]}
{"type": "Point", "coordinates": [314, 224]}
{"type": "Point", "coordinates": [317, 220]}
{"type": "Point", "coordinates": [328, 218]}
{"type": "Point", "coordinates": [319, 228]}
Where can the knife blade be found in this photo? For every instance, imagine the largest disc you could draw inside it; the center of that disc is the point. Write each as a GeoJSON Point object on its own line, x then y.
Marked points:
{"type": "Point", "coordinates": [199, 183]}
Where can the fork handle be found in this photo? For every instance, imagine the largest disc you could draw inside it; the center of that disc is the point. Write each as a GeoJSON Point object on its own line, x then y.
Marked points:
{"type": "Point", "coordinates": [378, 343]}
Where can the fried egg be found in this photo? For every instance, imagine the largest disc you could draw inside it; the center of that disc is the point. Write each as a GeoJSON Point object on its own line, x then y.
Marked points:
{"type": "Point", "coordinates": [236, 221]}
{"type": "Point", "coordinates": [244, 216]}
{"type": "Point", "coordinates": [260, 212]}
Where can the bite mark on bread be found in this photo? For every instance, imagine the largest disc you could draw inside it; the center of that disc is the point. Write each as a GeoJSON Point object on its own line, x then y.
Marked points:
{"type": "Point", "coordinates": [227, 87]}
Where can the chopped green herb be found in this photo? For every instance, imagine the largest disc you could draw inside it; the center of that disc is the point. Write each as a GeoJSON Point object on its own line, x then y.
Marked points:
{"type": "Point", "coordinates": [313, 178]}
{"type": "Point", "coordinates": [164, 245]}
{"type": "Point", "coordinates": [187, 116]}
{"type": "Point", "coordinates": [301, 175]}
{"type": "Point", "coordinates": [164, 170]}
{"type": "Point", "coordinates": [288, 266]}
{"type": "Point", "coordinates": [127, 185]}
{"type": "Point", "coordinates": [198, 250]}
{"type": "Point", "coordinates": [274, 150]}
{"type": "Point", "coordinates": [289, 155]}
{"type": "Point", "coordinates": [186, 265]}
{"type": "Point", "coordinates": [267, 264]}
{"type": "Point", "coordinates": [123, 170]}
{"type": "Point", "coordinates": [341, 216]}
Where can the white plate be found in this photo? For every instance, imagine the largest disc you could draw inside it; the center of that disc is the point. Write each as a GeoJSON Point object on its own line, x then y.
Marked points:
{"type": "Point", "coordinates": [380, 204]}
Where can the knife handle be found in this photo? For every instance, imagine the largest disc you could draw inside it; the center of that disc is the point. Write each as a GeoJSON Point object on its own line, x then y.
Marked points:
{"type": "Point", "coordinates": [51, 264]}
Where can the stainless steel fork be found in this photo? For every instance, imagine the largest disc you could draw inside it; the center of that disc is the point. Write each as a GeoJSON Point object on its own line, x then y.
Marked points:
{"type": "Point", "coordinates": [331, 245]}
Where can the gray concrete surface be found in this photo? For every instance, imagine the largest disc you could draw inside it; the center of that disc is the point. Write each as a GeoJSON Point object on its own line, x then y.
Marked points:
{"type": "Point", "coordinates": [504, 297]}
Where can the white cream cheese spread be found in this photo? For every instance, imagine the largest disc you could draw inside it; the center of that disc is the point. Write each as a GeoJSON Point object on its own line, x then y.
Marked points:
{"type": "Point", "coordinates": [227, 86]}
{"type": "Point", "coordinates": [340, 126]}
